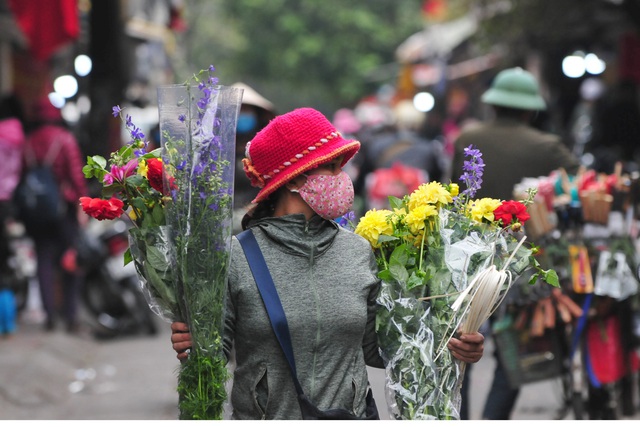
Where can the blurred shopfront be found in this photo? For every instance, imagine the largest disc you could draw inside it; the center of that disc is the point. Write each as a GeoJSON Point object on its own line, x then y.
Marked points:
{"type": "Point", "coordinates": [460, 50]}
{"type": "Point", "coordinates": [107, 53]}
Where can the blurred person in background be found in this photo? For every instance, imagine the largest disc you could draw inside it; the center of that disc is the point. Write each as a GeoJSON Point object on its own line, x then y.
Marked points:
{"type": "Point", "coordinates": [55, 248]}
{"type": "Point", "coordinates": [616, 129]}
{"type": "Point", "coordinates": [11, 145]}
{"type": "Point", "coordinates": [396, 158]}
{"type": "Point", "coordinates": [255, 113]}
{"type": "Point", "coordinates": [347, 123]}
{"type": "Point", "coordinates": [581, 122]}
{"type": "Point", "coordinates": [512, 149]}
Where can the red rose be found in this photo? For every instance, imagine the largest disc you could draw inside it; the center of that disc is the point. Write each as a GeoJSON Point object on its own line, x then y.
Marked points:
{"type": "Point", "coordinates": [102, 209]}
{"type": "Point", "coordinates": [154, 174]}
{"type": "Point", "coordinates": [510, 209]}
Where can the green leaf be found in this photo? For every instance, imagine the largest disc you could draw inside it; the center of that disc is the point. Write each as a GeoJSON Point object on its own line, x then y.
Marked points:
{"type": "Point", "coordinates": [400, 255]}
{"type": "Point", "coordinates": [534, 278]}
{"type": "Point", "coordinates": [125, 151]}
{"type": "Point", "coordinates": [97, 160]}
{"type": "Point", "coordinates": [95, 167]}
{"type": "Point", "coordinates": [158, 214]}
{"type": "Point", "coordinates": [87, 170]}
{"type": "Point", "coordinates": [138, 203]}
{"type": "Point", "coordinates": [395, 202]}
{"type": "Point", "coordinates": [157, 153]}
{"type": "Point", "coordinates": [383, 238]}
{"type": "Point", "coordinates": [135, 180]}
{"type": "Point", "coordinates": [399, 272]}
{"type": "Point", "coordinates": [415, 280]}
{"type": "Point", "coordinates": [161, 287]}
{"type": "Point", "coordinates": [551, 277]}
{"type": "Point", "coordinates": [385, 275]}
{"type": "Point", "coordinates": [127, 256]}
{"type": "Point", "coordinates": [157, 259]}
{"type": "Point", "coordinates": [108, 192]}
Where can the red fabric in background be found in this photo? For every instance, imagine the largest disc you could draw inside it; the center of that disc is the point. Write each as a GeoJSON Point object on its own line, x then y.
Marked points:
{"type": "Point", "coordinates": [48, 24]}
{"type": "Point", "coordinates": [608, 359]}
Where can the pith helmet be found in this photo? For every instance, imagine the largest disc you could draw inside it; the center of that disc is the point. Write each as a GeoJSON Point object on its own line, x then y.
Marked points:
{"type": "Point", "coordinates": [515, 88]}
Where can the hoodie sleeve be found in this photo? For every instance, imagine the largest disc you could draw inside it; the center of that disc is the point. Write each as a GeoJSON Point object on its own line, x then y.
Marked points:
{"type": "Point", "coordinates": [370, 341]}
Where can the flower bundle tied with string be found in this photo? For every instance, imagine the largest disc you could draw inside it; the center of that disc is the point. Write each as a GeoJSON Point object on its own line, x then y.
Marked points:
{"type": "Point", "coordinates": [446, 261]}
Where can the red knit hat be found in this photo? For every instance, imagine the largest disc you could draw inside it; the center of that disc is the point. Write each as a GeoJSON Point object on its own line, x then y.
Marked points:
{"type": "Point", "coordinates": [291, 144]}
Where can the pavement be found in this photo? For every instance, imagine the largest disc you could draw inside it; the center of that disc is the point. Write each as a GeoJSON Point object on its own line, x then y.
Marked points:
{"type": "Point", "coordinates": [58, 376]}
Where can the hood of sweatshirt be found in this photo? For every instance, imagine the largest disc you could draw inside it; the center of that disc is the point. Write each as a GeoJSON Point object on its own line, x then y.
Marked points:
{"type": "Point", "coordinates": [297, 236]}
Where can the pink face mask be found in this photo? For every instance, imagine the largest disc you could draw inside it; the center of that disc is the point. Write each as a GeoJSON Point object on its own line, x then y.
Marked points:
{"type": "Point", "coordinates": [330, 196]}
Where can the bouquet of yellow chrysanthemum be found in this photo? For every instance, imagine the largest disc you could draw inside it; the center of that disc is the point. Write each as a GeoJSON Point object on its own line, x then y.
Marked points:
{"type": "Point", "coordinates": [445, 260]}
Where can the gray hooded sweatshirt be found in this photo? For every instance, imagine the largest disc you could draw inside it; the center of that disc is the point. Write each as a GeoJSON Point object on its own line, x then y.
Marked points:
{"type": "Point", "coordinates": [326, 280]}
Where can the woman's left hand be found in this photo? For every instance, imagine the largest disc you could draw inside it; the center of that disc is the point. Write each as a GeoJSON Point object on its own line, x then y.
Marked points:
{"type": "Point", "coordinates": [468, 347]}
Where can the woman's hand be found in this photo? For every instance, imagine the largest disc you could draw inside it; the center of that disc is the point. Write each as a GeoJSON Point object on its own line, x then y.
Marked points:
{"type": "Point", "coordinates": [181, 340]}
{"type": "Point", "coordinates": [468, 348]}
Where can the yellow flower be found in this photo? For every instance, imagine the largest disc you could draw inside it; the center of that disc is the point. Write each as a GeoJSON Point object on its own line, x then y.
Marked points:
{"type": "Point", "coordinates": [454, 189]}
{"type": "Point", "coordinates": [432, 193]}
{"type": "Point", "coordinates": [132, 215]}
{"type": "Point", "coordinates": [483, 209]}
{"type": "Point", "coordinates": [374, 224]}
{"type": "Point", "coordinates": [398, 212]}
{"type": "Point", "coordinates": [416, 218]}
{"type": "Point", "coordinates": [143, 168]}
{"type": "Point", "coordinates": [415, 240]}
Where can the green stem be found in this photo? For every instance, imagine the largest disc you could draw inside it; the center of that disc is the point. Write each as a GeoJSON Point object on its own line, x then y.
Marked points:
{"type": "Point", "coordinates": [424, 235]}
{"type": "Point", "coordinates": [384, 259]}
{"type": "Point", "coordinates": [130, 196]}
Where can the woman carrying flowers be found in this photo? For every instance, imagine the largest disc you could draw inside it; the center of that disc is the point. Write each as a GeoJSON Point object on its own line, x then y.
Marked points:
{"type": "Point", "coordinates": [326, 278]}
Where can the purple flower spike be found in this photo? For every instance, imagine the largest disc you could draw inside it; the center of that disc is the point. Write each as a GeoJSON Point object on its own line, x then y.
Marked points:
{"type": "Point", "coordinates": [116, 110]}
{"type": "Point", "coordinates": [473, 170]}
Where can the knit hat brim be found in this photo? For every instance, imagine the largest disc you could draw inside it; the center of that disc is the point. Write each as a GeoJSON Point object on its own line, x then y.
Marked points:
{"type": "Point", "coordinates": [328, 152]}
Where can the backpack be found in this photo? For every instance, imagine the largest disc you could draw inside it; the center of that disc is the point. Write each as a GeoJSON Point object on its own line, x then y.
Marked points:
{"type": "Point", "coordinates": [37, 197]}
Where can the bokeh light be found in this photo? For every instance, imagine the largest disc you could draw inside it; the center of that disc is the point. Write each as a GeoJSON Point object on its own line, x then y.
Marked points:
{"type": "Point", "coordinates": [424, 101]}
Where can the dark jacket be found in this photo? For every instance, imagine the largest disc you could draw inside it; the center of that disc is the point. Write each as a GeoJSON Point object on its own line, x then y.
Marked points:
{"type": "Point", "coordinates": [68, 162]}
{"type": "Point", "coordinates": [511, 151]}
{"type": "Point", "coordinates": [326, 280]}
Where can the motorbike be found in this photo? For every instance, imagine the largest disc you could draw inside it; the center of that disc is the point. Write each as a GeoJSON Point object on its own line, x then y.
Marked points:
{"type": "Point", "coordinates": [111, 292]}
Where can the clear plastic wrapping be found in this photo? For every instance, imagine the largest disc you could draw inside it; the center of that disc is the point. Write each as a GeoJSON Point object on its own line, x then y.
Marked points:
{"type": "Point", "coordinates": [154, 258]}
{"type": "Point", "coordinates": [197, 126]}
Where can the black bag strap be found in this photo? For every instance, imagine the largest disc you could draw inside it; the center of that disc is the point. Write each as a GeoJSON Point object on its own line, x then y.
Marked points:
{"type": "Point", "coordinates": [270, 298]}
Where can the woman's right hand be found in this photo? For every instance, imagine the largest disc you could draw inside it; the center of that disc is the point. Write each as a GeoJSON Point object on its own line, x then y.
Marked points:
{"type": "Point", "coordinates": [181, 340]}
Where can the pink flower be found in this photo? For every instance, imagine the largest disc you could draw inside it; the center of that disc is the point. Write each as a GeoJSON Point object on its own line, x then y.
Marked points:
{"type": "Point", "coordinates": [120, 173]}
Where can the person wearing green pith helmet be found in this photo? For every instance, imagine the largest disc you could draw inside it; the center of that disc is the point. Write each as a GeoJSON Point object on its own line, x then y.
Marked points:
{"type": "Point", "coordinates": [512, 149]}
